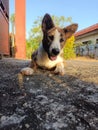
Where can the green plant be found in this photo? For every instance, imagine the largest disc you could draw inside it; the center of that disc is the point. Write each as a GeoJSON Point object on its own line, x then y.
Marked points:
{"type": "Point", "coordinates": [31, 46]}
{"type": "Point", "coordinates": [78, 44]}
{"type": "Point", "coordinates": [12, 42]}
{"type": "Point", "coordinates": [89, 42]}
{"type": "Point", "coordinates": [69, 48]}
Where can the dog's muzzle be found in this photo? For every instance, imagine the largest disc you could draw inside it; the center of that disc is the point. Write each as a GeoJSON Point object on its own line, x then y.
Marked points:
{"type": "Point", "coordinates": [54, 53]}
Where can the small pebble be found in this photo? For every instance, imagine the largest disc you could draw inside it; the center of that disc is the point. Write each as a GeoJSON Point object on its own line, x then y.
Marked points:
{"type": "Point", "coordinates": [27, 78]}
{"type": "Point", "coordinates": [25, 104]}
{"type": "Point", "coordinates": [50, 75]}
{"type": "Point", "coordinates": [27, 125]}
{"type": "Point", "coordinates": [4, 95]}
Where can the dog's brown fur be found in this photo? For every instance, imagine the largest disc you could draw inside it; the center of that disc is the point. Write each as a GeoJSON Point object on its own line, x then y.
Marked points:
{"type": "Point", "coordinates": [48, 55]}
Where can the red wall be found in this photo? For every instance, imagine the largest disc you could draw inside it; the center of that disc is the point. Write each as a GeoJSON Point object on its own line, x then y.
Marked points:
{"type": "Point", "coordinates": [4, 29]}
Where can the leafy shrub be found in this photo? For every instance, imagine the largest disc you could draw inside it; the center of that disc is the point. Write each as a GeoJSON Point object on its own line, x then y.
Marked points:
{"type": "Point", "coordinates": [69, 48]}
{"type": "Point", "coordinates": [31, 46]}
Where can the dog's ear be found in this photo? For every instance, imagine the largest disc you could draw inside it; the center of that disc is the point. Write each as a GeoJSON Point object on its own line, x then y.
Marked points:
{"type": "Point", "coordinates": [47, 23]}
{"type": "Point", "coordinates": [70, 30]}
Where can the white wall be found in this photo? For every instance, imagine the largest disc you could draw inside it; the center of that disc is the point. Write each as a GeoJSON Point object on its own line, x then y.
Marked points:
{"type": "Point", "coordinates": [88, 37]}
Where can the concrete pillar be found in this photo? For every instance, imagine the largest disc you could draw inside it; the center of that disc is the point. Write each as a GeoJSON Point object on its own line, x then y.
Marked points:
{"type": "Point", "coordinates": [20, 31]}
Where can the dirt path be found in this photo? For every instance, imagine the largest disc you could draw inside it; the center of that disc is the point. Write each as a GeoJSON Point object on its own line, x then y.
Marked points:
{"type": "Point", "coordinates": [48, 102]}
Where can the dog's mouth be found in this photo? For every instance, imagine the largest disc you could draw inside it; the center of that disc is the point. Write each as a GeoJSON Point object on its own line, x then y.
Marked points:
{"type": "Point", "coordinates": [54, 53]}
{"type": "Point", "coordinates": [52, 58]}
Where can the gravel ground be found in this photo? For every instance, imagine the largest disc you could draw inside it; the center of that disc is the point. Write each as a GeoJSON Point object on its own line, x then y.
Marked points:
{"type": "Point", "coordinates": [45, 101]}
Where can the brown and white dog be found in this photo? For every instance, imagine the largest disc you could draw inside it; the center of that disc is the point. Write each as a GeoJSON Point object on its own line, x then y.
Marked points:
{"type": "Point", "coordinates": [49, 53]}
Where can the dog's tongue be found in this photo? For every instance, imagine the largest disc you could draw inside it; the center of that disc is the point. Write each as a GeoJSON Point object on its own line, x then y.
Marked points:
{"type": "Point", "coordinates": [53, 57]}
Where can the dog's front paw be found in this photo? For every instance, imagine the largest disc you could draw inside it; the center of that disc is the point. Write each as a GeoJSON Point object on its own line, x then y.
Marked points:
{"type": "Point", "coordinates": [27, 71]}
{"type": "Point", "coordinates": [60, 69]}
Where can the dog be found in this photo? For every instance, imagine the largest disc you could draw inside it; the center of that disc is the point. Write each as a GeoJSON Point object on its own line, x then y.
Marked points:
{"type": "Point", "coordinates": [49, 54]}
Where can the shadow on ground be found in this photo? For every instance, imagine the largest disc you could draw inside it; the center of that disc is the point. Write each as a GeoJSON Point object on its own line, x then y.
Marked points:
{"type": "Point", "coordinates": [48, 102]}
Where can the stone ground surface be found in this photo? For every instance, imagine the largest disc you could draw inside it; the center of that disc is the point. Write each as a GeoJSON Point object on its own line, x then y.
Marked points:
{"type": "Point", "coordinates": [49, 102]}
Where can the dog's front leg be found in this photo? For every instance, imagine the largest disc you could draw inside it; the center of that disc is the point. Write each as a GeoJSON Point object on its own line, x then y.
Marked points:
{"type": "Point", "coordinates": [29, 70]}
{"type": "Point", "coordinates": [33, 65]}
{"type": "Point", "coordinates": [60, 69]}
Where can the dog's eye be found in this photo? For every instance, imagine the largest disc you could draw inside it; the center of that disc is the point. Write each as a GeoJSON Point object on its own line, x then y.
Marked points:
{"type": "Point", "coordinates": [51, 37]}
{"type": "Point", "coordinates": [61, 40]}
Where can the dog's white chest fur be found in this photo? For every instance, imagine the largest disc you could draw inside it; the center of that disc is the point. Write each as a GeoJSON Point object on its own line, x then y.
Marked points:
{"type": "Point", "coordinates": [44, 61]}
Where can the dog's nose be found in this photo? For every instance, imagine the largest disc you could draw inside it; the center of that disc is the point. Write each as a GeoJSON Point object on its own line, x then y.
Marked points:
{"type": "Point", "coordinates": [55, 51]}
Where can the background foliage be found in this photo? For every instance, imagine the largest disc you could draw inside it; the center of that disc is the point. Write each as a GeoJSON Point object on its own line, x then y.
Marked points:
{"type": "Point", "coordinates": [35, 36]}
{"type": "Point", "coordinates": [69, 48]}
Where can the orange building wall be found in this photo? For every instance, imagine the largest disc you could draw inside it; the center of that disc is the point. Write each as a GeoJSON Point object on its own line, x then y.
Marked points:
{"type": "Point", "coordinates": [4, 29]}
{"type": "Point", "coordinates": [20, 40]}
